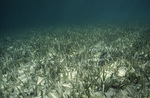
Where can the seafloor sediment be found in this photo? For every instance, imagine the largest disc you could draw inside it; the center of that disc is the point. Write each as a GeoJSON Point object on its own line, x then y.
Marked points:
{"type": "Point", "coordinates": [86, 61]}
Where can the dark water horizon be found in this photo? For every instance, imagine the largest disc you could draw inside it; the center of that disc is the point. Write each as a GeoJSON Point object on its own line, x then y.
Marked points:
{"type": "Point", "coordinates": [31, 13]}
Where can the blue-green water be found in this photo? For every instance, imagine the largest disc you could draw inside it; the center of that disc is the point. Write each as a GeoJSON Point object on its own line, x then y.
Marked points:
{"type": "Point", "coordinates": [30, 13]}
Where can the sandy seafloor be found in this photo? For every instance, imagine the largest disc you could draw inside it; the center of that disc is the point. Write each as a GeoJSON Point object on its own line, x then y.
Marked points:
{"type": "Point", "coordinates": [76, 61]}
